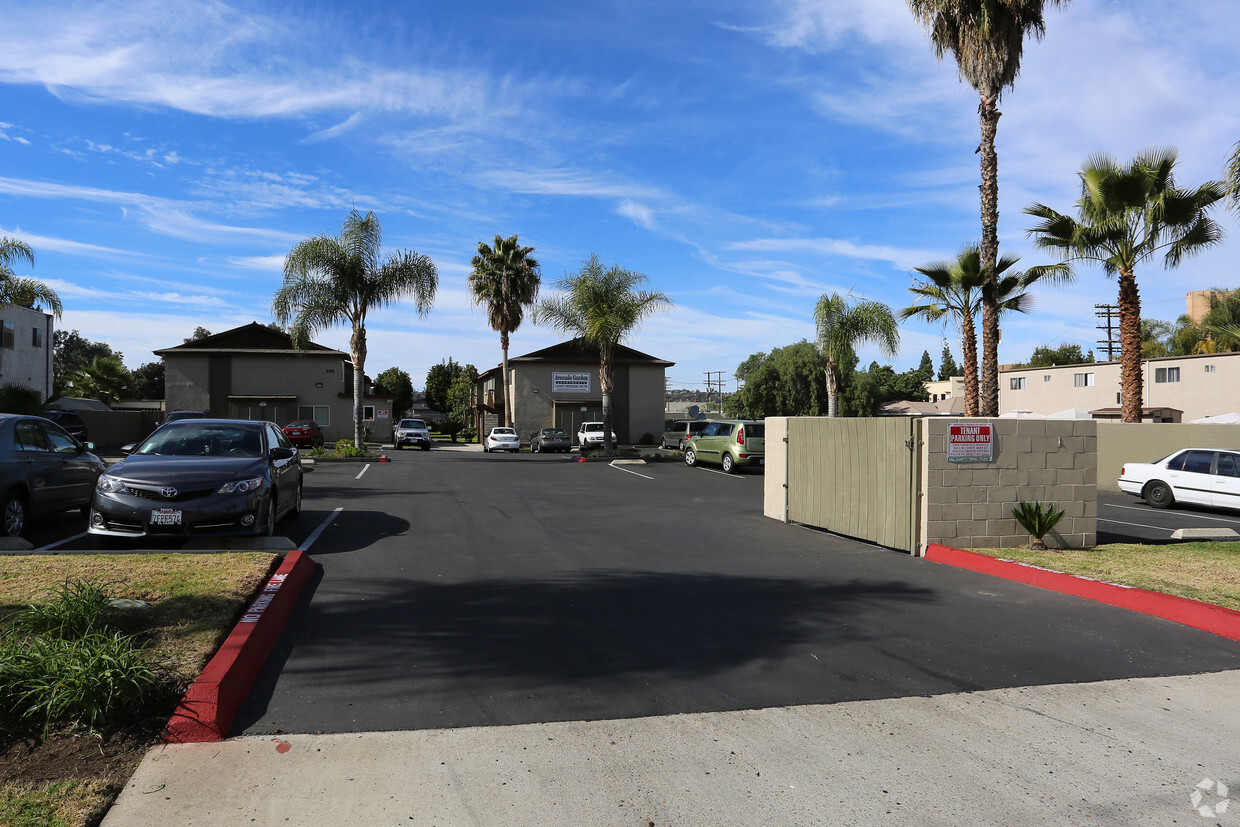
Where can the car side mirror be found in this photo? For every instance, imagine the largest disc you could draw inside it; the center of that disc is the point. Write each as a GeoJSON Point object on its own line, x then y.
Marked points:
{"type": "Point", "coordinates": [88, 446]}
{"type": "Point", "coordinates": [280, 452]}
{"type": "Point", "coordinates": [129, 448]}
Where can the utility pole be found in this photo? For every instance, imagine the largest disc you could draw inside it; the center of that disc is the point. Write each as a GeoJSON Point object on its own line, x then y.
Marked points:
{"type": "Point", "coordinates": [710, 384]}
{"type": "Point", "coordinates": [1109, 312]}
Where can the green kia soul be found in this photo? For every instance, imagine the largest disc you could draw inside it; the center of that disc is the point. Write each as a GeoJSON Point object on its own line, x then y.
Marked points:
{"type": "Point", "coordinates": [730, 443]}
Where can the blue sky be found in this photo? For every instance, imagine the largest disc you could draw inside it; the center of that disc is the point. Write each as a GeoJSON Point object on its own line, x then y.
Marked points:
{"type": "Point", "coordinates": [163, 157]}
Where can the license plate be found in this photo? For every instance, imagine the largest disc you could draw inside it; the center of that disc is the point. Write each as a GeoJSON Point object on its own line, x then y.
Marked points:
{"type": "Point", "coordinates": [166, 516]}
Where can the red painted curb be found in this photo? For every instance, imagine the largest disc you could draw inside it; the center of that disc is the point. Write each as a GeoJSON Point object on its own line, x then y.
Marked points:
{"type": "Point", "coordinates": [1205, 616]}
{"type": "Point", "coordinates": [210, 705]}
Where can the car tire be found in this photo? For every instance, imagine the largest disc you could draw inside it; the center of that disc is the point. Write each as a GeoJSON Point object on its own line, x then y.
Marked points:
{"type": "Point", "coordinates": [397, 446]}
{"type": "Point", "coordinates": [296, 509]}
{"type": "Point", "coordinates": [269, 519]}
{"type": "Point", "coordinates": [1158, 494]}
{"type": "Point", "coordinates": [680, 445]}
{"type": "Point", "coordinates": [690, 458]}
{"type": "Point", "coordinates": [533, 447]}
{"type": "Point", "coordinates": [729, 464]}
{"type": "Point", "coordinates": [14, 511]}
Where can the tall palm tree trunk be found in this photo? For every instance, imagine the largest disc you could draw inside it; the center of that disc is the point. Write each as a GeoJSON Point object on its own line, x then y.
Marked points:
{"type": "Point", "coordinates": [989, 115]}
{"type": "Point", "coordinates": [833, 389]}
{"type": "Point", "coordinates": [357, 352]}
{"type": "Point", "coordinates": [606, 383]}
{"type": "Point", "coordinates": [1130, 379]}
{"type": "Point", "coordinates": [968, 347]}
{"type": "Point", "coordinates": [503, 343]}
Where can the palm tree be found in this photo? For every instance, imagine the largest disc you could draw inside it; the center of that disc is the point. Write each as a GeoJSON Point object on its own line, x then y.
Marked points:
{"type": "Point", "coordinates": [506, 279]}
{"type": "Point", "coordinates": [955, 291]}
{"type": "Point", "coordinates": [987, 38]}
{"type": "Point", "coordinates": [841, 327]}
{"type": "Point", "coordinates": [104, 378]}
{"type": "Point", "coordinates": [601, 306]}
{"type": "Point", "coordinates": [330, 280]}
{"type": "Point", "coordinates": [1231, 177]}
{"type": "Point", "coordinates": [20, 291]}
{"type": "Point", "coordinates": [1125, 215]}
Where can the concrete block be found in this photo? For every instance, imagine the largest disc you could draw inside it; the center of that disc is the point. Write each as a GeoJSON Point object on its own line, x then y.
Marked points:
{"type": "Point", "coordinates": [933, 511]}
{"type": "Point", "coordinates": [1060, 459]}
{"type": "Point", "coordinates": [1204, 534]}
{"type": "Point", "coordinates": [1013, 540]}
{"type": "Point", "coordinates": [999, 528]}
{"type": "Point", "coordinates": [1060, 494]}
{"type": "Point", "coordinates": [942, 531]}
{"type": "Point", "coordinates": [971, 494]}
{"type": "Point", "coordinates": [1091, 475]}
{"type": "Point", "coordinates": [971, 528]}
{"type": "Point", "coordinates": [958, 512]}
{"type": "Point", "coordinates": [990, 511]}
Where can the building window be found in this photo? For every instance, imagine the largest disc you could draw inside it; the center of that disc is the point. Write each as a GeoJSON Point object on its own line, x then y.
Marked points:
{"type": "Point", "coordinates": [1016, 383]}
{"type": "Point", "coordinates": [321, 414]}
{"type": "Point", "coordinates": [368, 413]}
{"type": "Point", "coordinates": [36, 336]}
{"type": "Point", "coordinates": [1209, 368]}
{"type": "Point", "coordinates": [1083, 380]}
{"type": "Point", "coordinates": [1046, 377]}
{"type": "Point", "coordinates": [1118, 398]}
{"type": "Point", "coordinates": [1165, 375]}
{"type": "Point", "coordinates": [7, 332]}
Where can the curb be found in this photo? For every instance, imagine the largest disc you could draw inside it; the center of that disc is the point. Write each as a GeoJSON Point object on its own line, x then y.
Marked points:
{"type": "Point", "coordinates": [1219, 620]}
{"type": "Point", "coordinates": [211, 703]}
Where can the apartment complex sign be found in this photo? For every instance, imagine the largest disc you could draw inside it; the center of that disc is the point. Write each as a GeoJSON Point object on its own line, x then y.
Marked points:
{"type": "Point", "coordinates": [970, 442]}
{"type": "Point", "coordinates": [570, 382]}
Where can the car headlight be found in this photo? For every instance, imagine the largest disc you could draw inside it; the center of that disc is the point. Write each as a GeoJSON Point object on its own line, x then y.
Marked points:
{"type": "Point", "coordinates": [110, 485]}
{"type": "Point", "coordinates": [241, 486]}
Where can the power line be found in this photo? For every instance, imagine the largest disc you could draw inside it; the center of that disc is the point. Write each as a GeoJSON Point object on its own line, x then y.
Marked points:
{"type": "Point", "coordinates": [1108, 312]}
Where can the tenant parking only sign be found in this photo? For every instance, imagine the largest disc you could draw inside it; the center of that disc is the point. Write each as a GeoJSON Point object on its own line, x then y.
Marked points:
{"type": "Point", "coordinates": [970, 442]}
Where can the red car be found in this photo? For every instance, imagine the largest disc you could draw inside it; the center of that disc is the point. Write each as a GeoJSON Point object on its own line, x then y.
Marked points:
{"type": "Point", "coordinates": [304, 432]}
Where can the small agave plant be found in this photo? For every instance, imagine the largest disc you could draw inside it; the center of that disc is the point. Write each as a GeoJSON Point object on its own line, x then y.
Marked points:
{"type": "Point", "coordinates": [1038, 520]}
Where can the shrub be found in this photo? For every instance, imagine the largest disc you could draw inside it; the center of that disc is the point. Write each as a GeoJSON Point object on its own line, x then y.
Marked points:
{"type": "Point", "coordinates": [647, 439]}
{"type": "Point", "coordinates": [346, 448]}
{"type": "Point", "coordinates": [20, 399]}
{"type": "Point", "coordinates": [1038, 520]}
{"type": "Point", "coordinates": [77, 607]}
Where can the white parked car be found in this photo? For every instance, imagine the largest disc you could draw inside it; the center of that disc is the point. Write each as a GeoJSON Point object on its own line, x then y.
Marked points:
{"type": "Point", "coordinates": [501, 439]}
{"type": "Point", "coordinates": [1197, 476]}
{"type": "Point", "coordinates": [590, 436]}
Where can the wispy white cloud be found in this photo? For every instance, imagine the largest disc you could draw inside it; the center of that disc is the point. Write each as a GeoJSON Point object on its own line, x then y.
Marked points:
{"type": "Point", "coordinates": [900, 258]}
{"type": "Point", "coordinates": [64, 245]}
{"type": "Point", "coordinates": [347, 125]}
{"type": "Point", "coordinates": [567, 182]}
{"type": "Point", "coordinates": [639, 214]}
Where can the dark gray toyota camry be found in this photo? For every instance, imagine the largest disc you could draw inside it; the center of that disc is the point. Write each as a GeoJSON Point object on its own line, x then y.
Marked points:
{"type": "Point", "coordinates": [199, 477]}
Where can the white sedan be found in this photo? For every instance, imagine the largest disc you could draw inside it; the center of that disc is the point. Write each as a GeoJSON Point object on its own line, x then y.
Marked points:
{"type": "Point", "coordinates": [501, 439]}
{"type": "Point", "coordinates": [1196, 476]}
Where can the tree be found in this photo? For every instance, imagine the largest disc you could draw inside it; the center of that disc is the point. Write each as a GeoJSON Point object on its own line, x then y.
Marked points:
{"type": "Point", "coordinates": [947, 366]}
{"type": "Point", "coordinates": [986, 37]}
{"type": "Point", "coordinates": [956, 291]}
{"type": "Point", "coordinates": [104, 378]}
{"type": "Point", "coordinates": [148, 381]}
{"type": "Point", "coordinates": [70, 352]}
{"type": "Point", "coordinates": [460, 393]}
{"type": "Point", "coordinates": [926, 368]}
{"type": "Point", "coordinates": [785, 382]}
{"type": "Point", "coordinates": [23, 292]}
{"type": "Point", "coordinates": [439, 381]}
{"type": "Point", "coordinates": [1046, 356]}
{"type": "Point", "coordinates": [601, 306]}
{"type": "Point", "coordinates": [330, 280]}
{"type": "Point", "coordinates": [870, 389]}
{"type": "Point", "coordinates": [396, 383]}
{"type": "Point", "coordinates": [842, 327]}
{"type": "Point", "coordinates": [198, 335]}
{"type": "Point", "coordinates": [1125, 216]}
{"type": "Point", "coordinates": [506, 279]}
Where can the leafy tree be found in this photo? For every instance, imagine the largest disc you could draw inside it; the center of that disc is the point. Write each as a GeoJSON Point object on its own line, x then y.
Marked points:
{"type": "Point", "coordinates": [330, 280]}
{"type": "Point", "coordinates": [506, 279]}
{"type": "Point", "coordinates": [987, 38]}
{"type": "Point", "coordinates": [70, 352]}
{"type": "Point", "coordinates": [1221, 324]}
{"type": "Point", "coordinates": [841, 327]}
{"type": "Point", "coordinates": [148, 381]}
{"type": "Point", "coordinates": [601, 306]}
{"type": "Point", "coordinates": [460, 393]}
{"type": "Point", "coordinates": [1125, 216]}
{"type": "Point", "coordinates": [786, 382]}
{"type": "Point", "coordinates": [396, 383]}
{"type": "Point", "coordinates": [957, 291]}
{"type": "Point", "coordinates": [869, 390]}
{"type": "Point", "coordinates": [926, 368]}
{"type": "Point", "coordinates": [1045, 356]}
{"type": "Point", "coordinates": [439, 381]}
{"type": "Point", "coordinates": [23, 292]}
{"type": "Point", "coordinates": [104, 378]}
{"type": "Point", "coordinates": [198, 335]}
{"type": "Point", "coordinates": [948, 367]}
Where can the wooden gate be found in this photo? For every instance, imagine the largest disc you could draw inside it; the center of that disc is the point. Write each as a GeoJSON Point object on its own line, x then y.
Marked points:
{"type": "Point", "coordinates": [856, 477]}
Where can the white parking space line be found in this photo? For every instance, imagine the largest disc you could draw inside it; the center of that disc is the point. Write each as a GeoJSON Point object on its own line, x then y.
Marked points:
{"type": "Point", "coordinates": [326, 522]}
{"type": "Point", "coordinates": [363, 471]}
{"type": "Point", "coordinates": [1194, 516]}
{"type": "Point", "coordinates": [59, 543]}
{"type": "Point", "coordinates": [723, 474]}
{"type": "Point", "coordinates": [627, 471]}
{"type": "Point", "coordinates": [1136, 525]}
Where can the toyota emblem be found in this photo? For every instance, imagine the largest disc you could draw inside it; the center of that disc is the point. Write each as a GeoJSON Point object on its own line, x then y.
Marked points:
{"type": "Point", "coordinates": [168, 493]}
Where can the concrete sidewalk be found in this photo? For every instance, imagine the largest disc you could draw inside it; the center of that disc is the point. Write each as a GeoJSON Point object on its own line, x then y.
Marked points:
{"type": "Point", "coordinates": [1115, 752]}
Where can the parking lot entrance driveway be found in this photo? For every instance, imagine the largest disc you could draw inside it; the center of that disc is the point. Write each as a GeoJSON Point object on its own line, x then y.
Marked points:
{"type": "Point", "coordinates": [463, 589]}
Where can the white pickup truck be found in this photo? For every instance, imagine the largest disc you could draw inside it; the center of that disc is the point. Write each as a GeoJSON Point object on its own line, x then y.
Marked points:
{"type": "Point", "coordinates": [590, 436]}
{"type": "Point", "coordinates": [412, 432]}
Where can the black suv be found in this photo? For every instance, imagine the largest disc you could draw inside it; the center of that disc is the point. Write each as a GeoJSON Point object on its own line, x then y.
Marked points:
{"type": "Point", "coordinates": [69, 421]}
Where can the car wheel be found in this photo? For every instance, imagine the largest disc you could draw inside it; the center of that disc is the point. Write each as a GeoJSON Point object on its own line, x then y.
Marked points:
{"type": "Point", "coordinates": [690, 458]}
{"type": "Point", "coordinates": [1158, 494]}
{"type": "Point", "coordinates": [14, 510]}
{"type": "Point", "coordinates": [398, 446]}
{"type": "Point", "coordinates": [533, 447]}
{"type": "Point", "coordinates": [680, 446]}
{"type": "Point", "coordinates": [296, 509]}
{"type": "Point", "coordinates": [269, 524]}
{"type": "Point", "coordinates": [729, 464]}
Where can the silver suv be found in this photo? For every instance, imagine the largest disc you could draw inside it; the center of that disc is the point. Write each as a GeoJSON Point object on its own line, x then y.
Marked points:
{"type": "Point", "coordinates": [590, 435]}
{"type": "Point", "coordinates": [412, 432]}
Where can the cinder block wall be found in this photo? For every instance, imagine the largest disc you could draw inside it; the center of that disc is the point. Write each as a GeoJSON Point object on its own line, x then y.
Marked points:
{"type": "Point", "coordinates": [969, 504]}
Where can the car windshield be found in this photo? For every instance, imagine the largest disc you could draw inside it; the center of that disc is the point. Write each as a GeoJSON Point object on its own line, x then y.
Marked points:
{"type": "Point", "coordinates": [412, 423]}
{"type": "Point", "coordinates": [592, 426]}
{"type": "Point", "coordinates": [300, 425]}
{"type": "Point", "coordinates": [553, 432]}
{"type": "Point", "coordinates": [503, 432]}
{"type": "Point", "coordinates": [195, 439]}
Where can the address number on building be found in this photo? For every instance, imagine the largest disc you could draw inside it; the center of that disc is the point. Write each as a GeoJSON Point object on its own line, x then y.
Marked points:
{"type": "Point", "coordinates": [970, 442]}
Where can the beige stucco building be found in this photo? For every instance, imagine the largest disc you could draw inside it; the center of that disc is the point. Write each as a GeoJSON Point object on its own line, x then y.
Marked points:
{"type": "Point", "coordinates": [1177, 388]}
{"type": "Point", "coordinates": [26, 348]}
{"type": "Point", "coordinates": [558, 386]}
{"type": "Point", "coordinates": [254, 372]}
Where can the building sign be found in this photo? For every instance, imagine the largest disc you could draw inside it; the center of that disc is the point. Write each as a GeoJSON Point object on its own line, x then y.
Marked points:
{"type": "Point", "coordinates": [570, 383]}
{"type": "Point", "coordinates": [968, 442]}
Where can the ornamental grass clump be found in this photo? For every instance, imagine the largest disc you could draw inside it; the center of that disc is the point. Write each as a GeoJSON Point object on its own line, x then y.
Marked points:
{"type": "Point", "coordinates": [76, 608]}
{"type": "Point", "coordinates": [1038, 520]}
